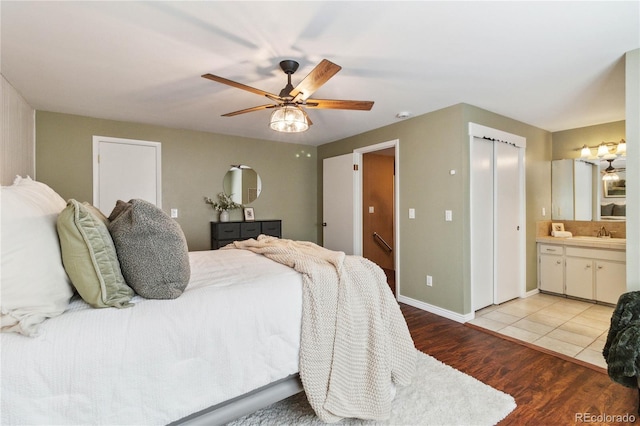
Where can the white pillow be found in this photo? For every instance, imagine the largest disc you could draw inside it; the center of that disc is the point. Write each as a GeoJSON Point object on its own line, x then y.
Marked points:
{"type": "Point", "coordinates": [35, 285]}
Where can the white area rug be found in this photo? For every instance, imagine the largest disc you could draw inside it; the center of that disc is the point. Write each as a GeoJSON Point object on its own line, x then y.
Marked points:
{"type": "Point", "coordinates": [439, 395]}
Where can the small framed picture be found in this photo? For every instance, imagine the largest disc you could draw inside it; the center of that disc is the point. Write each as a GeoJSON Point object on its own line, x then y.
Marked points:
{"type": "Point", "coordinates": [557, 227]}
{"type": "Point", "coordinates": [248, 214]}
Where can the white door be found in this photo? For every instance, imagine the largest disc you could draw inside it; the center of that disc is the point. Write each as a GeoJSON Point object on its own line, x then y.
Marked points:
{"type": "Point", "coordinates": [337, 203]}
{"type": "Point", "coordinates": [507, 231]}
{"type": "Point", "coordinates": [124, 169]}
{"type": "Point", "coordinates": [497, 216]}
{"type": "Point", "coordinates": [482, 223]}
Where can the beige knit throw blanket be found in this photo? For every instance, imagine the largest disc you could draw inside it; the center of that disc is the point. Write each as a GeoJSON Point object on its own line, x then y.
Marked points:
{"type": "Point", "coordinates": [355, 341]}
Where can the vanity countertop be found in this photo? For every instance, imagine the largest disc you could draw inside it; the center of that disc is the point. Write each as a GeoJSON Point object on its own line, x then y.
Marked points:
{"type": "Point", "coordinates": [606, 243]}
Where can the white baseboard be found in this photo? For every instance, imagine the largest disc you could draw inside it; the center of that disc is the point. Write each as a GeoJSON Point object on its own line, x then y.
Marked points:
{"type": "Point", "coordinates": [531, 293]}
{"type": "Point", "coordinates": [462, 318]}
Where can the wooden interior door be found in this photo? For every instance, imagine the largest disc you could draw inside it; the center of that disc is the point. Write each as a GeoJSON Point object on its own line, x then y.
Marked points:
{"type": "Point", "coordinates": [378, 209]}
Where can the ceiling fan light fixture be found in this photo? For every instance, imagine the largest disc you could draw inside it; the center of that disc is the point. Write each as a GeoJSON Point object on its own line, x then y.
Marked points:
{"type": "Point", "coordinates": [608, 177]}
{"type": "Point", "coordinates": [289, 119]}
{"type": "Point", "coordinates": [622, 148]}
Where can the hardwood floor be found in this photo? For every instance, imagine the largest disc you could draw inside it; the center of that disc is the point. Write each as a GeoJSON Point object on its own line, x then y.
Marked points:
{"type": "Point", "coordinates": [548, 390]}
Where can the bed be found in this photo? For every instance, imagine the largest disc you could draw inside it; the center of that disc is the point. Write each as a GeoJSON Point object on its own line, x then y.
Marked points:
{"type": "Point", "coordinates": [131, 365]}
{"type": "Point", "coordinates": [226, 341]}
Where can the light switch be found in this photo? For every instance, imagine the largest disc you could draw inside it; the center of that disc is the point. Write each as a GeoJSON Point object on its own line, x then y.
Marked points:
{"type": "Point", "coordinates": [412, 213]}
{"type": "Point", "coordinates": [174, 213]}
{"type": "Point", "coordinates": [371, 209]}
{"type": "Point", "coordinates": [448, 215]}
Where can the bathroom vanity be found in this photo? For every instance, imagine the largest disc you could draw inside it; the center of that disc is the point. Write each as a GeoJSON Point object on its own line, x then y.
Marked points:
{"type": "Point", "coordinates": [588, 268]}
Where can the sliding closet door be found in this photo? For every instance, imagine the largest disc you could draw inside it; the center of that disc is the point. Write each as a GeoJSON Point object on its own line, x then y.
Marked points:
{"type": "Point", "coordinates": [496, 230]}
{"type": "Point", "coordinates": [507, 222]}
{"type": "Point", "coordinates": [482, 223]}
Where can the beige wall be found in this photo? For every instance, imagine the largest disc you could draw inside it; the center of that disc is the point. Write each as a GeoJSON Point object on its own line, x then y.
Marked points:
{"type": "Point", "coordinates": [17, 138]}
{"type": "Point", "coordinates": [430, 146]}
{"type": "Point", "coordinates": [193, 166]}
{"type": "Point", "coordinates": [567, 143]}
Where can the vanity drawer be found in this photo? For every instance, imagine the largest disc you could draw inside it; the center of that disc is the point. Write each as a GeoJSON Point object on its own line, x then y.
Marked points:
{"type": "Point", "coordinates": [551, 249]}
{"type": "Point", "coordinates": [615, 255]}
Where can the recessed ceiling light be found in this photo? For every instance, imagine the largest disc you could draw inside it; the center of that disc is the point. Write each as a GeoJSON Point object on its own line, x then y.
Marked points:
{"type": "Point", "coordinates": [403, 114]}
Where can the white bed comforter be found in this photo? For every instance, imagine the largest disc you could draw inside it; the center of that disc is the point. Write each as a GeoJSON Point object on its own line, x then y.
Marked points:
{"type": "Point", "coordinates": [234, 329]}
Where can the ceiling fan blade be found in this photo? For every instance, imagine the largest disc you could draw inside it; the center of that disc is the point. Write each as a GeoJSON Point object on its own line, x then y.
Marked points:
{"type": "Point", "coordinates": [239, 85]}
{"type": "Point", "coordinates": [316, 78]}
{"type": "Point", "coordinates": [339, 104]}
{"type": "Point", "coordinates": [243, 111]}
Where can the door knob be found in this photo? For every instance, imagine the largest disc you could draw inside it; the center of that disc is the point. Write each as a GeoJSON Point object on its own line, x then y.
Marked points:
{"type": "Point", "coordinates": [324, 223]}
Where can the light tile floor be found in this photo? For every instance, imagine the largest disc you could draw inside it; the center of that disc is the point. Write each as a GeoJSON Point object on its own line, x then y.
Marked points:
{"type": "Point", "coordinates": [570, 327]}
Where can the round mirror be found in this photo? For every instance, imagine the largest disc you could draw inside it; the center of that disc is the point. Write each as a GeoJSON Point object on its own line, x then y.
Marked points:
{"type": "Point", "coordinates": [242, 184]}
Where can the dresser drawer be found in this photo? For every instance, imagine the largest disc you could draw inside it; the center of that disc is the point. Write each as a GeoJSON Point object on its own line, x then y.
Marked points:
{"type": "Point", "coordinates": [225, 231]}
{"type": "Point", "coordinates": [249, 229]}
{"type": "Point", "coordinates": [273, 228]}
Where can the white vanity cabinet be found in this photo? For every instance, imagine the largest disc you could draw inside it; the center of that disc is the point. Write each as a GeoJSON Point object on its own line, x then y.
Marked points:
{"type": "Point", "coordinates": [584, 272]}
{"type": "Point", "coordinates": [611, 280]}
{"type": "Point", "coordinates": [579, 277]}
{"type": "Point", "coordinates": [551, 268]}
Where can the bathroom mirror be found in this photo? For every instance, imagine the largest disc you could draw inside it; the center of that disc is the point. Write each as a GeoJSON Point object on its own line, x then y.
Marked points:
{"type": "Point", "coordinates": [242, 183]}
{"type": "Point", "coordinates": [579, 193]}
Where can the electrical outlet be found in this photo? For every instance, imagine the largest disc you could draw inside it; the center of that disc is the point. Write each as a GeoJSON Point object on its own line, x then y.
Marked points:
{"type": "Point", "coordinates": [448, 215]}
{"type": "Point", "coordinates": [429, 280]}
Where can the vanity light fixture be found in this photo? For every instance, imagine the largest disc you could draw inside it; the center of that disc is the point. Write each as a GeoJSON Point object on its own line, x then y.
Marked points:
{"type": "Point", "coordinates": [605, 151]}
{"type": "Point", "coordinates": [289, 118]}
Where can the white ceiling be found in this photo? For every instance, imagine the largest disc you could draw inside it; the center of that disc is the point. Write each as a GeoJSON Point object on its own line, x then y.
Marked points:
{"type": "Point", "coordinates": [554, 65]}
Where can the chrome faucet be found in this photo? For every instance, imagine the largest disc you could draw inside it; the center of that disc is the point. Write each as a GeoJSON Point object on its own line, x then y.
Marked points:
{"type": "Point", "coordinates": [603, 232]}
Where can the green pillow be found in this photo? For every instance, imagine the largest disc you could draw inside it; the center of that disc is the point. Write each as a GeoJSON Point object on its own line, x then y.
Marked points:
{"type": "Point", "coordinates": [89, 257]}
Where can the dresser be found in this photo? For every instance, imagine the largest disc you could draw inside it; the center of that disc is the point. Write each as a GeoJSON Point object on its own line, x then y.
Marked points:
{"type": "Point", "coordinates": [223, 233]}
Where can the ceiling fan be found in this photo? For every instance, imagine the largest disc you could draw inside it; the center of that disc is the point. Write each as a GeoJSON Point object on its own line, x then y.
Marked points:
{"type": "Point", "coordinates": [289, 114]}
{"type": "Point", "coordinates": [611, 173]}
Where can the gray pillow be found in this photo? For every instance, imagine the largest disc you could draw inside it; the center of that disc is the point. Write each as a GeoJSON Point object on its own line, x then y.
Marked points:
{"type": "Point", "coordinates": [619, 210]}
{"type": "Point", "coordinates": [606, 210]}
{"type": "Point", "coordinates": [151, 248]}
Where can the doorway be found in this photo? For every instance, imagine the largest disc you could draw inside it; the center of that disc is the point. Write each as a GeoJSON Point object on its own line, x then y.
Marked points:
{"type": "Point", "coordinates": [385, 253]}
{"type": "Point", "coordinates": [378, 171]}
{"type": "Point", "coordinates": [343, 202]}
